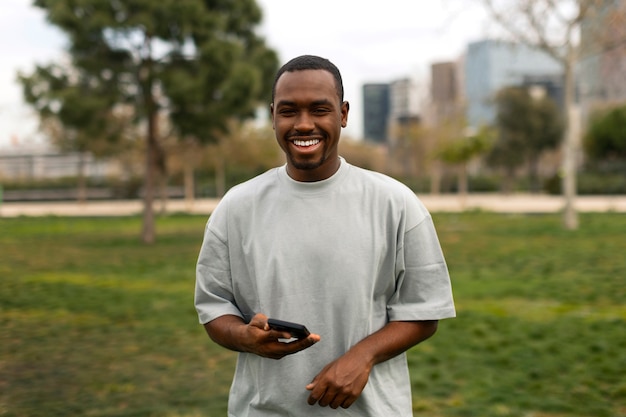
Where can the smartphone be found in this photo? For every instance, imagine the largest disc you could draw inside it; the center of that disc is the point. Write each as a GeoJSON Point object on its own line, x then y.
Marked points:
{"type": "Point", "coordinates": [296, 330]}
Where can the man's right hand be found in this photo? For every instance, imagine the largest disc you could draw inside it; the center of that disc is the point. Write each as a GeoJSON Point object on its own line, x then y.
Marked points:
{"type": "Point", "coordinates": [255, 337]}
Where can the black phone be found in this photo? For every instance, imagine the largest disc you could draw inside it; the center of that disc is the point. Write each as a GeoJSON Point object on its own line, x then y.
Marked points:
{"type": "Point", "coordinates": [296, 330]}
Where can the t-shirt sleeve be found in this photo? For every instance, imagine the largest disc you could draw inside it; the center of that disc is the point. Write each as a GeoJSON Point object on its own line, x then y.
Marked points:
{"type": "Point", "coordinates": [423, 288]}
{"type": "Point", "coordinates": [213, 293]}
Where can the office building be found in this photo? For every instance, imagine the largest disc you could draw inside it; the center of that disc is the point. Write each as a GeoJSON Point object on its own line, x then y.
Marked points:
{"type": "Point", "coordinates": [492, 65]}
{"type": "Point", "coordinates": [445, 92]}
{"type": "Point", "coordinates": [375, 112]}
{"type": "Point", "coordinates": [602, 67]}
{"type": "Point", "coordinates": [403, 101]}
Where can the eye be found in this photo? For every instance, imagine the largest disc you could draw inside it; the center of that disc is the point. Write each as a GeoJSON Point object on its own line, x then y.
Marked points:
{"type": "Point", "coordinates": [286, 112]}
{"type": "Point", "coordinates": [321, 110]}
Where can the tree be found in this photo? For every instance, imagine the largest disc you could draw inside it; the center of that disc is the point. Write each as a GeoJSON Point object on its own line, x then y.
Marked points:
{"type": "Point", "coordinates": [449, 127]}
{"type": "Point", "coordinates": [199, 62]}
{"type": "Point", "coordinates": [527, 126]}
{"type": "Point", "coordinates": [555, 27]}
{"type": "Point", "coordinates": [407, 148]}
{"type": "Point", "coordinates": [362, 153]}
{"type": "Point", "coordinates": [76, 112]}
{"type": "Point", "coordinates": [461, 151]}
{"type": "Point", "coordinates": [248, 149]}
{"type": "Point", "coordinates": [606, 137]}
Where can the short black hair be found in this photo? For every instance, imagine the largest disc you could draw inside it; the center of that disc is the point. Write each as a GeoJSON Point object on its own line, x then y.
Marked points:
{"type": "Point", "coordinates": [311, 62]}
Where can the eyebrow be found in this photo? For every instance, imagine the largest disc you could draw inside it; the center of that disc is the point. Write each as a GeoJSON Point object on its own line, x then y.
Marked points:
{"type": "Point", "coordinates": [321, 102]}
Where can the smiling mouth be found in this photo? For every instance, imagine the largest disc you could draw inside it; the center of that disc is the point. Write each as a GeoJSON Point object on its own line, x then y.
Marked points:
{"type": "Point", "coordinates": [305, 143]}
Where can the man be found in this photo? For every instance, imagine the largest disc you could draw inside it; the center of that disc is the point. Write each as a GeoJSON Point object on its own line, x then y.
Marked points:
{"type": "Point", "coordinates": [350, 253]}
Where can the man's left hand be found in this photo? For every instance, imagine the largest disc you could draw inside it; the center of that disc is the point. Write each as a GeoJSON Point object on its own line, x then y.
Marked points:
{"type": "Point", "coordinates": [341, 382]}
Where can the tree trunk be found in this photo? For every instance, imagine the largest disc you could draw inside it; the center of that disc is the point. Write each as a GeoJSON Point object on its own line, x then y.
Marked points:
{"type": "Point", "coordinates": [220, 178]}
{"type": "Point", "coordinates": [533, 173]}
{"type": "Point", "coordinates": [462, 179]}
{"type": "Point", "coordinates": [570, 216]}
{"type": "Point", "coordinates": [508, 180]}
{"type": "Point", "coordinates": [148, 232]}
{"type": "Point", "coordinates": [189, 186]}
{"type": "Point", "coordinates": [81, 195]}
{"type": "Point", "coordinates": [462, 184]}
{"type": "Point", "coordinates": [146, 81]}
{"type": "Point", "coordinates": [435, 178]}
{"type": "Point", "coordinates": [163, 196]}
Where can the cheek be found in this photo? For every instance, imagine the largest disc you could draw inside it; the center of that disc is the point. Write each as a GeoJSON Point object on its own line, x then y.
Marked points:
{"type": "Point", "coordinates": [280, 123]}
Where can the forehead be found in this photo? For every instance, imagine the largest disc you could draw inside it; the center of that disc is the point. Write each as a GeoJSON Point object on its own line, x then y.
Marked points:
{"type": "Point", "coordinates": [305, 84]}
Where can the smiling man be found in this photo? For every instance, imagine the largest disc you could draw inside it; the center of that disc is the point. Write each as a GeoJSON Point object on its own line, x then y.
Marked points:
{"type": "Point", "coordinates": [351, 254]}
{"type": "Point", "coordinates": [308, 114]}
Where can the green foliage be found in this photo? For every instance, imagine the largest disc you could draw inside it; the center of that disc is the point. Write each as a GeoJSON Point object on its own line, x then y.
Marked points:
{"type": "Point", "coordinates": [464, 149]}
{"type": "Point", "coordinates": [527, 126]}
{"type": "Point", "coordinates": [204, 58]}
{"type": "Point", "coordinates": [592, 183]}
{"type": "Point", "coordinates": [75, 108]}
{"type": "Point", "coordinates": [606, 137]}
{"type": "Point", "coordinates": [199, 62]}
{"type": "Point", "coordinates": [94, 323]}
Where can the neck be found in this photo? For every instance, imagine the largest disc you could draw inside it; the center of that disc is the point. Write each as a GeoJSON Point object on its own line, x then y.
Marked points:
{"type": "Point", "coordinates": [324, 171]}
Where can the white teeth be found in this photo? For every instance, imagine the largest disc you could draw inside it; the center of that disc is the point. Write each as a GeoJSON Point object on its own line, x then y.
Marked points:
{"type": "Point", "coordinates": [306, 142]}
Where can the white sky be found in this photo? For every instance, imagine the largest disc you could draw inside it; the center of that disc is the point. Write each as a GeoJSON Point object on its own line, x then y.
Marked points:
{"type": "Point", "coordinates": [370, 41]}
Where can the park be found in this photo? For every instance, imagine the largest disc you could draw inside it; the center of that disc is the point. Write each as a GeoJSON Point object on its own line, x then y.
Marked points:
{"type": "Point", "coordinates": [96, 323]}
{"type": "Point", "coordinates": [97, 312]}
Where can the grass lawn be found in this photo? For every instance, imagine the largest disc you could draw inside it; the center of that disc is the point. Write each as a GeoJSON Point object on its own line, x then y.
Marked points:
{"type": "Point", "coordinates": [93, 323]}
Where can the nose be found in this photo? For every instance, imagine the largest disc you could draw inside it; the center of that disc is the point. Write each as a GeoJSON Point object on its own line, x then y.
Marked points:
{"type": "Point", "coordinates": [304, 122]}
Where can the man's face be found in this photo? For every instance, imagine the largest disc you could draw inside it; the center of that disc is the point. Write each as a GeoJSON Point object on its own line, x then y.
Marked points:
{"type": "Point", "coordinates": [307, 116]}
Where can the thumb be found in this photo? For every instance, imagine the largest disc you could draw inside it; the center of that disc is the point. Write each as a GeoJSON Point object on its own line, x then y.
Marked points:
{"type": "Point", "coordinates": [312, 384]}
{"type": "Point", "coordinates": [259, 320]}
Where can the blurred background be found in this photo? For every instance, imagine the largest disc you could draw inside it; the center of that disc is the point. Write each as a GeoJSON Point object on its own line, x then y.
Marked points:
{"type": "Point", "coordinates": [507, 117]}
{"type": "Point", "coordinates": [117, 100]}
{"type": "Point", "coordinates": [483, 96]}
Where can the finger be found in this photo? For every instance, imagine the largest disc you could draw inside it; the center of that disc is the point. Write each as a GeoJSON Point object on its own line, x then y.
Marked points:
{"type": "Point", "coordinates": [276, 349]}
{"type": "Point", "coordinates": [308, 341]}
{"type": "Point", "coordinates": [312, 384]}
{"type": "Point", "coordinates": [348, 402]}
{"type": "Point", "coordinates": [259, 320]}
{"type": "Point", "coordinates": [300, 344]}
{"type": "Point", "coordinates": [317, 391]}
{"type": "Point", "coordinates": [315, 397]}
{"type": "Point", "coordinates": [328, 397]}
{"type": "Point", "coordinates": [323, 402]}
{"type": "Point", "coordinates": [338, 401]}
{"type": "Point", "coordinates": [278, 334]}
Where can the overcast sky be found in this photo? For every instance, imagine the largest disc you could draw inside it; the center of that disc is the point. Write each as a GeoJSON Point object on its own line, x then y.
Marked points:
{"type": "Point", "coordinates": [370, 41]}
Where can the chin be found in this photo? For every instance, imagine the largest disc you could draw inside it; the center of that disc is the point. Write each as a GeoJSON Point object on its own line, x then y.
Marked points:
{"type": "Point", "coordinates": [306, 164]}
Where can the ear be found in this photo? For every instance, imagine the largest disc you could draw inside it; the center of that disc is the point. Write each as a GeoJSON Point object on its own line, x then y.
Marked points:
{"type": "Point", "coordinates": [345, 108]}
{"type": "Point", "coordinates": [272, 115]}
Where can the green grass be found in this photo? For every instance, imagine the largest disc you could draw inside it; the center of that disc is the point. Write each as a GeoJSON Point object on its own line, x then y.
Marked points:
{"type": "Point", "coordinates": [93, 323]}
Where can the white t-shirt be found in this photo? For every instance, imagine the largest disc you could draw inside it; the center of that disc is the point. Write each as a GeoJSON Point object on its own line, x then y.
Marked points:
{"type": "Point", "coordinates": [342, 256]}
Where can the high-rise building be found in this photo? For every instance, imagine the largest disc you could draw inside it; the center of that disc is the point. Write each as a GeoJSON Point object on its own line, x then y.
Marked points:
{"type": "Point", "coordinates": [375, 112]}
{"type": "Point", "coordinates": [387, 106]}
{"type": "Point", "coordinates": [603, 57]}
{"type": "Point", "coordinates": [403, 101]}
{"type": "Point", "coordinates": [444, 82]}
{"type": "Point", "coordinates": [492, 65]}
{"type": "Point", "coordinates": [445, 91]}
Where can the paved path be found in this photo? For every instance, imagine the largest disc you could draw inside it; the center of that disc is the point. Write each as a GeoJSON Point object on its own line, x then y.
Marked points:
{"type": "Point", "coordinates": [501, 203]}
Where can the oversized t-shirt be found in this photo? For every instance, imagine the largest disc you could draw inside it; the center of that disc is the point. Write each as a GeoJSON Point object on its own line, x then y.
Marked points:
{"type": "Point", "coordinates": [342, 256]}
